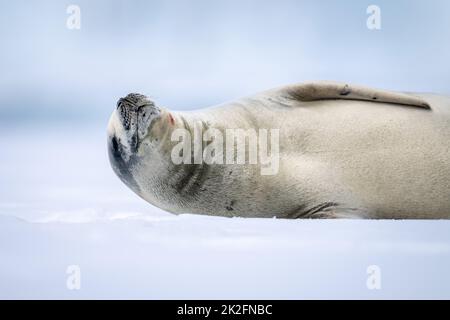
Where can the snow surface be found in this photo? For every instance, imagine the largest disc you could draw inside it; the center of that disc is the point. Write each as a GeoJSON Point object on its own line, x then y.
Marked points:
{"type": "Point", "coordinates": [61, 205]}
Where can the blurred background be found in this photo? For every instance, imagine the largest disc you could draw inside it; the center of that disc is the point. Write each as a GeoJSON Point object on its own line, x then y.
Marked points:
{"type": "Point", "coordinates": [58, 87]}
{"type": "Point", "coordinates": [195, 53]}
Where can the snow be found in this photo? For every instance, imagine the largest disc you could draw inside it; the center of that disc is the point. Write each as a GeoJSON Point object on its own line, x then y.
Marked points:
{"type": "Point", "coordinates": [61, 205]}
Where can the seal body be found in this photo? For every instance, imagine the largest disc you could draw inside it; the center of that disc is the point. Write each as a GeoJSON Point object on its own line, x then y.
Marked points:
{"type": "Point", "coordinates": [343, 153]}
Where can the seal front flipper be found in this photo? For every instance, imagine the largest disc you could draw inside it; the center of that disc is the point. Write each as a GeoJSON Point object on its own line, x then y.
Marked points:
{"type": "Point", "coordinates": [328, 210]}
{"type": "Point", "coordinates": [325, 90]}
{"type": "Point", "coordinates": [340, 213]}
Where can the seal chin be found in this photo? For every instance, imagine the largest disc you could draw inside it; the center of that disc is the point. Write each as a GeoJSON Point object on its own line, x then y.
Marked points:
{"type": "Point", "coordinates": [123, 168]}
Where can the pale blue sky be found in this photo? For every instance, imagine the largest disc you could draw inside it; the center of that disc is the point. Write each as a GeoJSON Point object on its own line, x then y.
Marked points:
{"type": "Point", "coordinates": [192, 54]}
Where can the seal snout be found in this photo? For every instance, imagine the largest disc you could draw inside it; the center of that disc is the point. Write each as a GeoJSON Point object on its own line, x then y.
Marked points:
{"type": "Point", "coordinates": [130, 106]}
{"type": "Point", "coordinates": [134, 101]}
{"type": "Point", "coordinates": [132, 119]}
{"type": "Point", "coordinates": [136, 110]}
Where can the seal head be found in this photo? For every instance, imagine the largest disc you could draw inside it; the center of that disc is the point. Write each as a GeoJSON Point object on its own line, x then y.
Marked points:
{"type": "Point", "coordinates": [128, 133]}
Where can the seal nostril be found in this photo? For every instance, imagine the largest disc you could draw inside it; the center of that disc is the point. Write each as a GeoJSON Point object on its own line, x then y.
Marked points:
{"type": "Point", "coordinates": [119, 103]}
